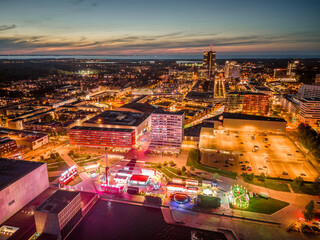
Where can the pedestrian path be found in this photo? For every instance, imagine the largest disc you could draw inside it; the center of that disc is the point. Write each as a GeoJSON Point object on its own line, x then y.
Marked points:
{"type": "Point", "coordinates": [290, 188]}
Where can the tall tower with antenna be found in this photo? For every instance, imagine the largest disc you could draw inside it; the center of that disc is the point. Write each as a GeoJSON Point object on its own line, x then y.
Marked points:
{"type": "Point", "coordinates": [209, 62]}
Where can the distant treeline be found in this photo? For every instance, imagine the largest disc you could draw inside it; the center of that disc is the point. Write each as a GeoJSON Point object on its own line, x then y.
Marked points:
{"type": "Point", "coordinates": [14, 72]}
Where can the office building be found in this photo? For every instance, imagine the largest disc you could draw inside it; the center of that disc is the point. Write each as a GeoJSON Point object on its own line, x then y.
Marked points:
{"type": "Point", "coordinates": [309, 110]}
{"type": "Point", "coordinates": [232, 70]}
{"type": "Point", "coordinates": [167, 131]}
{"type": "Point", "coordinates": [8, 147]}
{"type": "Point", "coordinates": [121, 119]}
{"type": "Point", "coordinates": [292, 68]}
{"type": "Point", "coordinates": [209, 62]}
{"type": "Point", "coordinates": [102, 137]}
{"type": "Point", "coordinates": [290, 104]}
{"type": "Point", "coordinates": [20, 182]}
{"type": "Point", "coordinates": [317, 79]}
{"type": "Point", "coordinates": [59, 214]}
{"type": "Point", "coordinates": [280, 73]}
{"type": "Point", "coordinates": [309, 91]}
{"type": "Point", "coordinates": [248, 103]}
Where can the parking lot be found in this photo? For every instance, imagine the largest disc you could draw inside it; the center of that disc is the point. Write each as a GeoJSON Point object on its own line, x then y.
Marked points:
{"type": "Point", "coordinates": [271, 154]}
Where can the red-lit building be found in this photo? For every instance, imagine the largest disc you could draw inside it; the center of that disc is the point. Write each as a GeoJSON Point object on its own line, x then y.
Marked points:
{"type": "Point", "coordinates": [106, 137]}
{"type": "Point", "coordinates": [248, 103]}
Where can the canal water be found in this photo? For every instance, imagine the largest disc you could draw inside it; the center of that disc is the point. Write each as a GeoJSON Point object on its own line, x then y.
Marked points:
{"type": "Point", "coordinates": [109, 220]}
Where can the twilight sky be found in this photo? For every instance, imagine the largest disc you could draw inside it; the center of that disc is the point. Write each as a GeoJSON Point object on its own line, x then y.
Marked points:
{"type": "Point", "coordinates": [159, 27]}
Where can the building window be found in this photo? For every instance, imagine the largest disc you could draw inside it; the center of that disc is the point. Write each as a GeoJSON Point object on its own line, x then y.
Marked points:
{"type": "Point", "coordinates": [12, 202]}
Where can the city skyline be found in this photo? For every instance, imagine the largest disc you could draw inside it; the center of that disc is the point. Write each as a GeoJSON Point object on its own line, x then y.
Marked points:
{"type": "Point", "coordinates": [85, 27]}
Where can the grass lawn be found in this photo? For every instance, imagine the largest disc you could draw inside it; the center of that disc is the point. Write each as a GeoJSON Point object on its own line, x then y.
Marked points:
{"type": "Point", "coordinates": [75, 181]}
{"type": "Point", "coordinates": [307, 188]}
{"type": "Point", "coordinates": [61, 166]}
{"type": "Point", "coordinates": [193, 161]}
{"type": "Point", "coordinates": [82, 156]}
{"type": "Point", "coordinates": [51, 179]}
{"type": "Point", "coordinates": [82, 162]}
{"type": "Point", "coordinates": [266, 206]}
{"type": "Point", "coordinates": [274, 184]}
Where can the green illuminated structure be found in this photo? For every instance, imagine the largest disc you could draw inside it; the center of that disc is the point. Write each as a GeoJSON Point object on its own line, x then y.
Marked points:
{"type": "Point", "coordinates": [239, 197]}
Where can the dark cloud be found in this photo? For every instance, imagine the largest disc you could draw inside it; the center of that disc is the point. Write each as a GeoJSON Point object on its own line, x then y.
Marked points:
{"type": "Point", "coordinates": [145, 43]}
{"type": "Point", "coordinates": [7, 27]}
{"type": "Point", "coordinates": [77, 1]}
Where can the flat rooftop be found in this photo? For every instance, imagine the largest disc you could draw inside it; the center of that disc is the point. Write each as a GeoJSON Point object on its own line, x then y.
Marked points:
{"type": "Point", "coordinates": [12, 170]}
{"type": "Point", "coordinates": [195, 130]}
{"type": "Point", "coordinates": [124, 118]}
{"type": "Point", "coordinates": [306, 99]}
{"type": "Point", "coordinates": [229, 115]}
{"type": "Point", "coordinates": [57, 201]}
{"type": "Point", "coordinates": [141, 107]}
{"type": "Point", "coordinates": [199, 95]}
{"type": "Point", "coordinates": [5, 140]}
{"type": "Point", "coordinates": [139, 178]}
{"type": "Point", "coordinates": [102, 129]}
{"type": "Point", "coordinates": [161, 111]}
{"type": "Point", "coordinates": [247, 93]}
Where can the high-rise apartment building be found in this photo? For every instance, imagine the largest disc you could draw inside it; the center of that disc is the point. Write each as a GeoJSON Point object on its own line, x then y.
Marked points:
{"type": "Point", "coordinates": [232, 69]}
{"type": "Point", "coordinates": [209, 62]}
{"type": "Point", "coordinates": [309, 91]}
{"type": "Point", "coordinates": [248, 103]}
{"type": "Point", "coordinates": [167, 131]}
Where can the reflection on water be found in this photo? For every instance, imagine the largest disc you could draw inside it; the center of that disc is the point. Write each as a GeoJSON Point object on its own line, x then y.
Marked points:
{"type": "Point", "coordinates": [109, 220]}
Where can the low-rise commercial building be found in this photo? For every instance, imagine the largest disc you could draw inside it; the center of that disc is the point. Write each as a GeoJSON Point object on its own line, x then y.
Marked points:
{"type": "Point", "coordinates": [8, 147]}
{"type": "Point", "coordinates": [59, 214]}
{"type": "Point", "coordinates": [34, 141]}
{"type": "Point", "coordinates": [250, 123]}
{"type": "Point", "coordinates": [20, 182]}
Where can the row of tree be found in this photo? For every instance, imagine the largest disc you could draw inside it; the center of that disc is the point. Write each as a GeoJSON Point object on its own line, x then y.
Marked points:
{"type": "Point", "coordinates": [310, 139]}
